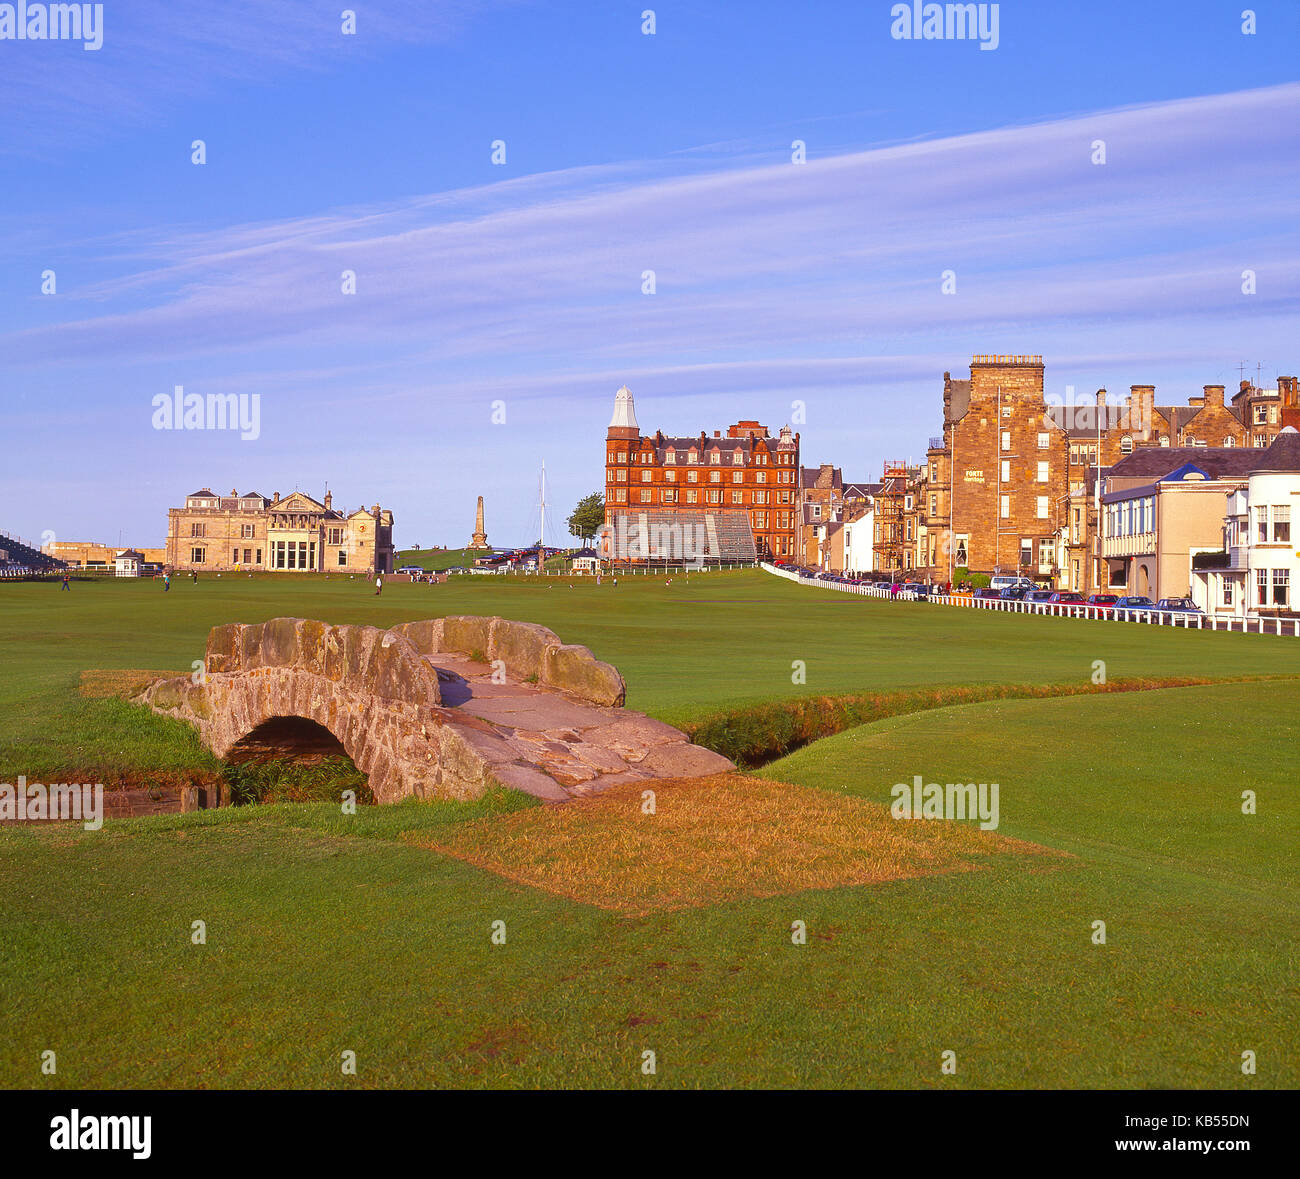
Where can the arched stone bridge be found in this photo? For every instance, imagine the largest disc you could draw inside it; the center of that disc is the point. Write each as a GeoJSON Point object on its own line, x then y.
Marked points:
{"type": "Point", "coordinates": [443, 708]}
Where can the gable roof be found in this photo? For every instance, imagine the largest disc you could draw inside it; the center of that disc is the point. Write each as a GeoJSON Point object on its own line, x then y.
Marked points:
{"type": "Point", "coordinates": [1157, 462]}
{"type": "Point", "coordinates": [862, 490]}
{"type": "Point", "coordinates": [299, 499]}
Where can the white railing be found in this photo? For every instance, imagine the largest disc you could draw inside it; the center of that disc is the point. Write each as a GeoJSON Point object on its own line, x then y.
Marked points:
{"type": "Point", "coordinates": [1153, 617]}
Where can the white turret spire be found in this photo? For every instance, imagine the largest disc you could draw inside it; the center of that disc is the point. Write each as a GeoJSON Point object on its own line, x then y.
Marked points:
{"type": "Point", "coordinates": [624, 410]}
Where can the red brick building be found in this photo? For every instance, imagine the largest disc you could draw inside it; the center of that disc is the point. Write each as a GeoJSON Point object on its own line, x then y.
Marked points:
{"type": "Point", "coordinates": [745, 469]}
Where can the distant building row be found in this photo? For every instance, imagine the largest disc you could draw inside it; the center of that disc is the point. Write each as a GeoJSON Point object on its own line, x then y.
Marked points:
{"type": "Point", "coordinates": [1019, 484]}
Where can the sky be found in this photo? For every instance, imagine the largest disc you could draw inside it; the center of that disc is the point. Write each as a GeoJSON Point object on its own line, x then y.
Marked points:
{"type": "Point", "coordinates": [499, 296]}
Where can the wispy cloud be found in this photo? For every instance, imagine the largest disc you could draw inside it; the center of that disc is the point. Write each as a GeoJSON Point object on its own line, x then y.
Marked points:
{"type": "Point", "coordinates": [158, 51]}
{"type": "Point", "coordinates": [773, 281]}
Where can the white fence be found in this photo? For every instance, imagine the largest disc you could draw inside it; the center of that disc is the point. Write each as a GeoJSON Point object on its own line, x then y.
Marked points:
{"type": "Point", "coordinates": [1263, 626]}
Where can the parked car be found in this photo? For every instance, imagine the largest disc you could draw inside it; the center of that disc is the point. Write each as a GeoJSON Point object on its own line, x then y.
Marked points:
{"type": "Point", "coordinates": [1013, 593]}
{"type": "Point", "coordinates": [412, 569]}
{"type": "Point", "coordinates": [986, 592]}
{"type": "Point", "coordinates": [1102, 603]}
{"type": "Point", "coordinates": [1178, 606]}
{"type": "Point", "coordinates": [915, 587]}
{"type": "Point", "coordinates": [1135, 603]}
{"type": "Point", "coordinates": [1063, 599]}
{"type": "Point", "coordinates": [1038, 595]}
{"type": "Point", "coordinates": [1010, 581]}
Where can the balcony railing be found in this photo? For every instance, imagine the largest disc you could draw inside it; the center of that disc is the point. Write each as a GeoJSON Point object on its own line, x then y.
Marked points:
{"type": "Point", "coordinates": [936, 442]}
{"type": "Point", "coordinates": [1138, 544]}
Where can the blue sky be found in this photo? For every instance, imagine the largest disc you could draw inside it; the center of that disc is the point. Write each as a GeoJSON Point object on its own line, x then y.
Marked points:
{"type": "Point", "coordinates": [521, 283]}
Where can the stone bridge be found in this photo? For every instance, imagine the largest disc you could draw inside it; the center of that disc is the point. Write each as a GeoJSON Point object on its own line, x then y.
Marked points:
{"type": "Point", "coordinates": [443, 708]}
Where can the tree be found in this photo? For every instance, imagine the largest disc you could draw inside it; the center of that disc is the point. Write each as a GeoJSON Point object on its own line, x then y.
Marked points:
{"type": "Point", "coordinates": [588, 516]}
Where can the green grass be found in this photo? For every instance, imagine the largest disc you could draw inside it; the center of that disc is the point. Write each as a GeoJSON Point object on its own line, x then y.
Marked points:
{"type": "Point", "coordinates": [326, 932]}
{"type": "Point", "coordinates": [325, 935]}
{"type": "Point", "coordinates": [436, 562]}
{"type": "Point", "coordinates": [714, 643]}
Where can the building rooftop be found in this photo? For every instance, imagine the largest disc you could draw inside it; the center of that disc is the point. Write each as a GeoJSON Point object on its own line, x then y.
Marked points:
{"type": "Point", "coordinates": [1156, 462]}
{"type": "Point", "coordinates": [1283, 454]}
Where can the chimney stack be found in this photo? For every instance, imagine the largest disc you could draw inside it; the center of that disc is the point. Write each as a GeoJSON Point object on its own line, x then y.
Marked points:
{"type": "Point", "coordinates": [1141, 406]}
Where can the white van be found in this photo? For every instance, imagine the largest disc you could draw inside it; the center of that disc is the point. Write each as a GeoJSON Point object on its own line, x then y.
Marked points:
{"type": "Point", "coordinates": [1009, 581]}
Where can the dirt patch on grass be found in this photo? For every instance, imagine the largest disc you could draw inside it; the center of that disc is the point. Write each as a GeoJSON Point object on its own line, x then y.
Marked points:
{"type": "Point", "coordinates": [714, 840]}
{"type": "Point", "coordinates": [118, 683]}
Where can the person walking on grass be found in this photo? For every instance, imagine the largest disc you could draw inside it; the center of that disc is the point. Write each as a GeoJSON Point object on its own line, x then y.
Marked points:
{"type": "Point", "coordinates": [66, 586]}
{"type": "Point", "coordinates": [167, 582]}
{"type": "Point", "coordinates": [379, 585]}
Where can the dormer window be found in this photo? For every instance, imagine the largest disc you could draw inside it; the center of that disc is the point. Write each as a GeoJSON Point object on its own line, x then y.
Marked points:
{"type": "Point", "coordinates": [1126, 445]}
{"type": "Point", "coordinates": [714, 458]}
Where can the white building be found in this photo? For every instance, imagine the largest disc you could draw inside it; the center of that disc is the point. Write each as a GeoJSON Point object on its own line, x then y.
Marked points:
{"type": "Point", "coordinates": [127, 562]}
{"type": "Point", "coordinates": [859, 542]}
{"type": "Point", "coordinates": [1256, 574]}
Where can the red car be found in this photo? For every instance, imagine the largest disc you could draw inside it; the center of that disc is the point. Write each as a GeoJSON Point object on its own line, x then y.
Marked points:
{"type": "Point", "coordinates": [1103, 603]}
{"type": "Point", "coordinates": [1064, 598]}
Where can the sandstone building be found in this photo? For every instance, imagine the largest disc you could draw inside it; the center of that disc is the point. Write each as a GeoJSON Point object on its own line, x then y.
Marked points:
{"type": "Point", "coordinates": [92, 557]}
{"type": "Point", "coordinates": [994, 500]}
{"type": "Point", "coordinates": [249, 532]}
{"type": "Point", "coordinates": [1011, 486]}
{"type": "Point", "coordinates": [747, 470]}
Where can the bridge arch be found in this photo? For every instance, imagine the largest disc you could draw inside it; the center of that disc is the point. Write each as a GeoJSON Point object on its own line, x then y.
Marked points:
{"type": "Point", "coordinates": [527, 711]}
{"type": "Point", "coordinates": [369, 687]}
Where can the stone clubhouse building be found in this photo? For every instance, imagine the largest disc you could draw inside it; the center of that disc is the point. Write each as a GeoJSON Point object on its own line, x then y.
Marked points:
{"type": "Point", "coordinates": [296, 534]}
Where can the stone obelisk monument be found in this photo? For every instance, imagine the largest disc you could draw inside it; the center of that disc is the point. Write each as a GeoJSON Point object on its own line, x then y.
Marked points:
{"type": "Point", "coordinates": [479, 539]}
